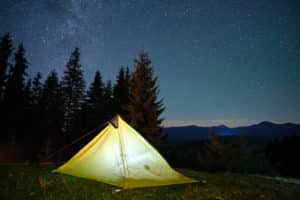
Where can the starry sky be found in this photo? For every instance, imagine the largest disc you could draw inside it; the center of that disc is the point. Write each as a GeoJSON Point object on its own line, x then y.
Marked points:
{"type": "Point", "coordinates": [233, 62]}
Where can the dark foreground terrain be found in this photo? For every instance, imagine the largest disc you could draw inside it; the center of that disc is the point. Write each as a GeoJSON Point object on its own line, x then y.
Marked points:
{"type": "Point", "coordinates": [37, 182]}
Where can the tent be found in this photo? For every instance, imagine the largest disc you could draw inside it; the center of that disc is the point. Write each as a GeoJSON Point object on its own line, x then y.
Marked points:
{"type": "Point", "coordinates": [120, 156]}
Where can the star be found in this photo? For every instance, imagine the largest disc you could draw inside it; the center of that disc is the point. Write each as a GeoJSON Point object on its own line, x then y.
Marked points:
{"type": "Point", "coordinates": [236, 48]}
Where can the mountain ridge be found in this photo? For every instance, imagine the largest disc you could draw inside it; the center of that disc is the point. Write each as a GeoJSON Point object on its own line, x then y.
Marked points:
{"type": "Point", "coordinates": [263, 131]}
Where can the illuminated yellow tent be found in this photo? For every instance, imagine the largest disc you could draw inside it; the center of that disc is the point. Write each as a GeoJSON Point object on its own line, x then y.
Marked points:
{"type": "Point", "coordinates": [120, 156]}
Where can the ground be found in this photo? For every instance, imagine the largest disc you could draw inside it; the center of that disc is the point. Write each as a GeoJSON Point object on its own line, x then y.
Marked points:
{"type": "Point", "coordinates": [37, 182]}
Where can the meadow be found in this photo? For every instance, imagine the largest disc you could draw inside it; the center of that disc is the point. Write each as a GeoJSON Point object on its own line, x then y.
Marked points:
{"type": "Point", "coordinates": [37, 182]}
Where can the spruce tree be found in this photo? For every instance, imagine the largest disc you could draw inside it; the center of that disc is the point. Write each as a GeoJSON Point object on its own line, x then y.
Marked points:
{"type": "Point", "coordinates": [144, 108]}
{"type": "Point", "coordinates": [5, 53]}
{"type": "Point", "coordinates": [14, 93]}
{"type": "Point", "coordinates": [121, 92]}
{"type": "Point", "coordinates": [52, 114]}
{"type": "Point", "coordinates": [37, 88]}
{"type": "Point", "coordinates": [30, 124]}
{"type": "Point", "coordinates": [14, 96]}
{"type": "Point", "coordinates": [95, 103]}
{"type": "Point", "coordinates": [213, 158]}
{"type": "Point", "coordinates": [73, 87]}
{"type": "Point", "coordinates": [28, 97]}
{"type": "Point", "coordinates": [95, 92]}
{"type": "Point", "coordinates": [108, 101]}
{"type": "Point", "coordinates": [33, 120]}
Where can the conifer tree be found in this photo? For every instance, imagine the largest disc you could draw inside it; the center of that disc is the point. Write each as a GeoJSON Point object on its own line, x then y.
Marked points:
{"type": "Point", "coordinates": [15, 84]}
{"type": "Point", "coordinates": [108, 101]}
{"type": "Point", "coordinates": [28, 95]}
{"type": "Point", "coordinates": [29, 112]}
{"type": "Point", "coordinates": [52, 113]}
{"type": "Point", "coordinates": [37, 88]}
{"type": "Point", "coordinates": [95, 92]}
{"type": "Point", "coordinates": [121, 92]}
{"type": "Point", "coordinates": [95, 103]}
{"type": "Point", "coordinates": [33, 120]}
{"type": "Point", "coordinates": [30, 125]}
{"type": "Point", "coordinates": [144, 108]}
{"type": "Point", "coordinates": [5, 52]}
{"type": "Point", "coordinates": [73, 87]}
{"type": "Point", "coordinates": [214, 157]}
{"type": "Point", "coordinates": [14, 96]}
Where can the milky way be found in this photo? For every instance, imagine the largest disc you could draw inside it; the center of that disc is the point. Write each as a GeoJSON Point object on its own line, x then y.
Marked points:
{"type": "Point", "coordinates": [232, 62]}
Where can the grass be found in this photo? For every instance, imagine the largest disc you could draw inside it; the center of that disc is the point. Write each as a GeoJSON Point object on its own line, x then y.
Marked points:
{"type": "Point", "coordinates": [37, 182]}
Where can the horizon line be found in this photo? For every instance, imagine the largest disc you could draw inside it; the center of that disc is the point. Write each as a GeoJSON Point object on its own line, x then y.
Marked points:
{"type": "Point", "coordinates": [212, 123]}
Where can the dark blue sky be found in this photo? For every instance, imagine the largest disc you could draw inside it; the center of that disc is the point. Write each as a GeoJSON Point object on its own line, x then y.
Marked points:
{"type": "Point", "coordinates": [232, 62]}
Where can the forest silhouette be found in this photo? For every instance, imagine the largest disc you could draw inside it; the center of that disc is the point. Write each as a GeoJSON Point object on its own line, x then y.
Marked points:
{"type": "Point", "coordinates": [40, 115]}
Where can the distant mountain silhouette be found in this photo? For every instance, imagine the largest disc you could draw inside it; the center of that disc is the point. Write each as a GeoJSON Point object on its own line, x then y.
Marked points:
{"type": "Point", "coordinates": [259, 132]}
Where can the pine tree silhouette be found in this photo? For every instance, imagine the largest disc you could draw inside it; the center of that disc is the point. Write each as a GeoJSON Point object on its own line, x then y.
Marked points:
{"type": "Point", "coordinates": [52, 115]}
{"type": "Point", "coordinates": [37, 88]}
{"type": "Point", "coordinates": [94, 105]}
{"type": "Point", "coordinates": [108, 101]}
{"type": "Point", "coordinates": [121, 92]}
{"type": "Point", "coordinates": [14, 96]}
{"type": "Point", "coordinates": [144, 109]}
{"type": "Point", "coordinates": [73, 86]}
{"type": "Point", "coordinates": [5, 53]}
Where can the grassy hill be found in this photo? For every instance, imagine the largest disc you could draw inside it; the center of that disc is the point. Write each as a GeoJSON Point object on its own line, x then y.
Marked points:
{"type": "Point", "coordinates": [37, 182]}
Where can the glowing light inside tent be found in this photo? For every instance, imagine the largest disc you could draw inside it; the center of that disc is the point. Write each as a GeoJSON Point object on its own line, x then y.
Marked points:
{"type": "Point", "coordinates": [120, 156]}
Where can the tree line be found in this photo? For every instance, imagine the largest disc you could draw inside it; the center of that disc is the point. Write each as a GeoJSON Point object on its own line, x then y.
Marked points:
{"type": "Point", "coordinates": [275, 157]}
{"type": "Point", "coordinates": [39, 116]}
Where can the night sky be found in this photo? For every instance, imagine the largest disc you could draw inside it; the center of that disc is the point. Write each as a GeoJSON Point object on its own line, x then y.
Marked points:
{"type": "Point", "coordinates": [233, 62]}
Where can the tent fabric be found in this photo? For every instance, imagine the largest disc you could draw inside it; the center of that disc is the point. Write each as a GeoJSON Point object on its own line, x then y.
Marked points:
{"type": "Point", "coordinates": [120, 156]}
